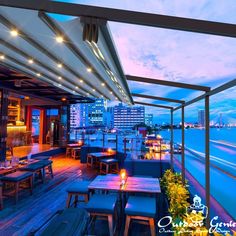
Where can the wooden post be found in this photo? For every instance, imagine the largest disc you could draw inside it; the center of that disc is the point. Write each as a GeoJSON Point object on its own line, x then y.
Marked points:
{"type": "Point", "coordinates": [3, 122]}
{"type": "Point", "coordinates": [207, 158]}
{"type": "Point", "coordinates": [171, 140]}
{"type": "Point", "coordinates": [183, 150]}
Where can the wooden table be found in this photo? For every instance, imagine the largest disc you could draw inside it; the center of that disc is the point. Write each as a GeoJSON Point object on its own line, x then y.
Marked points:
{"type": "Point", "coordinates": [94, 157]}
{"type": "Point", "coordinates": [133, 184]}
{"type": "Point", "coordinates": [5, 171]}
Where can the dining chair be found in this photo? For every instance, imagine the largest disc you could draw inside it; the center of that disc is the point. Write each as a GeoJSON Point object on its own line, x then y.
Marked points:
{"type": "Point", "coordinates": [143, 209]}
{"type": "Point", "coordinates": [103, 206]}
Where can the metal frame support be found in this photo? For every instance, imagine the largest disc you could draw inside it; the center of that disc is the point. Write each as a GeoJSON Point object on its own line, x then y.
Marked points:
{"type": "Point", "coordinates": [171, 140]}
{"type": "Point", "coordinates": [124, 16]}
{"type": "Point", "coordinates": [183, 144]}
{"type": "Point", "coordinates": [207, 157]}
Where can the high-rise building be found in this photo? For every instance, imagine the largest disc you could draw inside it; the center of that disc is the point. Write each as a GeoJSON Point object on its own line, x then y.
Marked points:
{"type": "Point", "coordinates": [149, 119]}
{"type": "Point", "coordinates": [201, 118]}
{"type": "Point", "coordinates": [109, 118]}
{"type": "Point", "coordinates": [127, 117]}
{"type": "Point", "coordinates": [79, 115]}
{"type": "Point", "coordinates": [88, 114]}
{"type": "Point", "coordinates": [96, 112]}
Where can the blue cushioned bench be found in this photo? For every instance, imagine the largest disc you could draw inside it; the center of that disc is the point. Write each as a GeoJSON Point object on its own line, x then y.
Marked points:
{"type": "Point", "coordinates": [39, 168]}
{"type": "Point", "coordinates": [16, 179]}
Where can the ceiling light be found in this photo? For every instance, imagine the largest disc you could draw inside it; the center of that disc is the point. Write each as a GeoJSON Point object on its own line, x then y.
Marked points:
{"type": "Point", "coordinates": [2, 57]}
{"type": "Point", "coordinates": [59, 77]}
{"type": "Point", "coordinates": [76, 87]}
{"type": "Point", "coordinates": [81, 81]}
{"type": "Point", "coordinates": [59, 85]}
{"type": "Point", "coordinates": [30, 61]}
{"type": "Point", "coordinates": [63, 99]}
{"type": "Point", "coordinates": [59, 39]}
{"type": "Point", "coordinates": [88, 94]}
{"type": "Point", "coordinates": [94, 90]}
{"type": "Point", "coordinates": [102, 84]}
{"type": "Point", "coordinates": [89, 69]}
{"type": "Point", "coordinates": [14, 33]}
{"type": "Point", "coordinates": [116, 98]}
{"type": "Point", "coordinates": [73, 91]}
{"type": "Point", "coordinates": [38, 74]}
{"type": "Point", "coordinates": [111, 92]}
{"type": "Point", "coordinates": [59, 65]}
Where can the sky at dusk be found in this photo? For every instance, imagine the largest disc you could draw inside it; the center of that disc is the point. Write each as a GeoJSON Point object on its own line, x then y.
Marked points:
{"type": "Point", "coordinates": [176, 55]}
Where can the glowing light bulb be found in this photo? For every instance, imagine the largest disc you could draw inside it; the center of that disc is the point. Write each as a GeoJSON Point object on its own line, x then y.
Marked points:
{"type": "Point", "coordinates": [59, 39]}
{"type": "Point", "coordinates": [14, 33]}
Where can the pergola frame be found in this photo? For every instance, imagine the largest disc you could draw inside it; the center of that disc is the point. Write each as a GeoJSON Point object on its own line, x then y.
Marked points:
{"type": "Point", "coordinates": [153, 20]}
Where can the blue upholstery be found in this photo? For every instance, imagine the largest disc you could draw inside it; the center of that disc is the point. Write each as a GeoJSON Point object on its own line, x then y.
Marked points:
{"type": "Point", "coordinates": [42, 158]}
{"type": "Point", "coordinates": [109, 161]}
{"type": "Point", "coordinates": [79, 187]}
{"type": "Point", "coordinates": [45, 162]}
{"type": "Point", "coordinates": [141, 206]}
{"type": "Point", "coordinates": [36, 166]}
{"type": "Point", "coordinates": [100, 203]}
{"type": "Point", "coordinates": [32, 167]}
{"type": "Point", "coordinates": [16, 176]}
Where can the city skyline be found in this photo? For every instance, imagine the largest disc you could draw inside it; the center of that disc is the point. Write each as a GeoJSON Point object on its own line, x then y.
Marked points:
{"type": "Point", "coordinates": [158, 53]}
{"type": "Point", "coordinates": [102, 113]}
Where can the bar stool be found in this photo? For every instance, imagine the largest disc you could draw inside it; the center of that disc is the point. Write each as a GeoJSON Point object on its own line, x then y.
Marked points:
{"type": "Point", "coordinates": [141, 208]}
{"type": "Point", "coordinates": [77, 189]}
{"type": "Point", "coordinates": [109, 165]}
{"type": "Point", "coordinates": [104, 206]}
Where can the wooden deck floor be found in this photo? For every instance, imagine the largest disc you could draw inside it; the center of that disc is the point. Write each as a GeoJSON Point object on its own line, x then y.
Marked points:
{"type": "Point", "coordinates": [31, 212]}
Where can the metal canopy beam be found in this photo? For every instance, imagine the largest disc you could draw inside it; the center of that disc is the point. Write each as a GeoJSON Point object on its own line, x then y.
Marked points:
{"type": "Point", "coordinates": [81, 90]}
{"type": "Point", "coordinates": [42, 49]}
{"type": "Point", "coordinates": [219, 89]}
{"type": "Point", "coordinates": [153, 105]}
{"type": "Point", "coordinates": [57, 30]}
{"type": "Point", "coordinates": [167, 83]}
{"type": "Point", "coordinates": [157, 98]}
{"type": "Point", "coordinates": [124, 16]}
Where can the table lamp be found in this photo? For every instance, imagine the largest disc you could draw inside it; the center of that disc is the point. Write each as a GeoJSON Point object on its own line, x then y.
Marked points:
{"type": "Point", "coordinates": [123, 176]}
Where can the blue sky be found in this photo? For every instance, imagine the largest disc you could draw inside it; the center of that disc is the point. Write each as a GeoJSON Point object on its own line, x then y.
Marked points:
{"type": "Point", "coordinates": [176, 55]}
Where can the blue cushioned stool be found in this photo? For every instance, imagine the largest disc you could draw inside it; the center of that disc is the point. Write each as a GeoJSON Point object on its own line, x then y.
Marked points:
{"type": "Point", "coordinates": [109, 165]}
{"type": "Point", "coordinates": [105, 206]}
{"type": "Point", "coordinates": [79, 188]}
{"type": "Point", "coordinates": [141, 208]}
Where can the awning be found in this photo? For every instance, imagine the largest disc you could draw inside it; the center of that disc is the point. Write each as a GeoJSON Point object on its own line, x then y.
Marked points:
{"type": "Point", "coordinates": [54, 52]}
